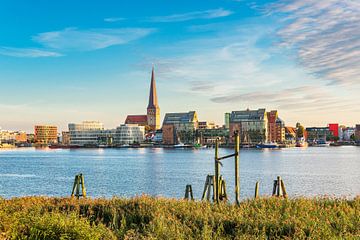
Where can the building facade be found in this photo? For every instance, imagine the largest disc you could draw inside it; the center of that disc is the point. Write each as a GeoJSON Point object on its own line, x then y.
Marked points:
{"type": "Point", "coordinates": [65, 138]}
{"type": "Point", "coordinates": [276, 127]}
{"type": "Point", "coordinates": [251, 124]}
{"type": "Point", "coordinates": [208, 136]}
{"type": "Point", "coordinates": [46, 134]}
{"type": "Point", "coordinates": [180, 127]}
{"type": "Point", "coordinates": [85, 133]}
{"type": "Point", "coordinates": [334, 128]}
{"type": "Point", "coordinates": [348, 134]}
{"type": "Point", "coordinates": [318, 134]}
{"type": "Point", "coordinates": [357, 132]}
{"type": "Point", "coordinates": [129, 134]}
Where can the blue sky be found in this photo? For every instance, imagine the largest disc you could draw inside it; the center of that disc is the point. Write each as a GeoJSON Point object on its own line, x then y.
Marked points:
{"type": "Point", "coordinates": [68, 61]}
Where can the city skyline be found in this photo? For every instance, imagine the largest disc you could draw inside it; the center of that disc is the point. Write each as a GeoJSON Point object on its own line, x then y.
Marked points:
{"type": "Point", "coordinates": [69, 62]}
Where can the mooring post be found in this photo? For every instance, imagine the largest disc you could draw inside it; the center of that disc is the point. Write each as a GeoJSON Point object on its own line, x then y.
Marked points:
{"type": "Point", "coordinates": [78, 182]}
{"type": "Point", "coordinates": [279, 190]}
{"type": "Point", "coordinates": [283, 189]}
{"type": "Point", "coordinates": [237, 181]}
{"type": "Point", "coordinates": [188, 193]}
{"type": "Point", "coordinates": [217, 171]}
{"type": "Point", "coordinates": [257, 190]}
{"type": "Point", "coordinates": [83, 185]}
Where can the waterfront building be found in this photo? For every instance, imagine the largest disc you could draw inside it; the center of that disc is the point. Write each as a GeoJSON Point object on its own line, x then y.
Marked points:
{"type": "Point", "coordinates": [151, 121]}
{"type": "Point", "coordinates": [46, 134]}
{"type": "Point", "coordinates": [357, 132]}
{"type": "Point", "coordinates": [129, 134]}
{"type": "Point", "coordinates": [207, 125]}
{"type": "Point", "coordinates": [85, 133]}
{"type": "Point", "coordinates": [65, 138]}
{"type": "Point", "coordinates": [158, 137]}
{"type": "Point", "coordinates": [276, 127]}
{"type": "Point", "coordinates": [208, 136]}
{"type": "Point", "coordinates": [348, 134]}
{"type": "Point", "coordinates": [318, 134]}
{"type": "Point", "coordinates": [334, 128]}
{"type": "Point", "coordinates": [180, 127]}
{"type": "Point", "coordinates": [251, 124]}
{"type": "Point", "coordinates": [290, 134]}
{"type": "Point", "coordinates": [12, 137]}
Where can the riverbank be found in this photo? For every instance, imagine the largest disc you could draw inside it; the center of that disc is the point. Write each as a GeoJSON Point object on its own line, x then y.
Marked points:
{"type": "Point", "coordinates": [158, 218]}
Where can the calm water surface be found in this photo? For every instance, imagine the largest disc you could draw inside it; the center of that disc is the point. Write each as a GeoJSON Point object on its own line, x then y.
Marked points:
{"type": "Point", "coordinates": [333, 171]}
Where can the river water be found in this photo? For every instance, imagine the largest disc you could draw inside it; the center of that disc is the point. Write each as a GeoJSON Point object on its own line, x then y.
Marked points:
{"type": "Point", "coordinates": [313, 171]}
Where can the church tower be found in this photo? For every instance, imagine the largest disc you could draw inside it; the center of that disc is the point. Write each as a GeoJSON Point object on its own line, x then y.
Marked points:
{"type": "Point", "coordinates": [153, 110]}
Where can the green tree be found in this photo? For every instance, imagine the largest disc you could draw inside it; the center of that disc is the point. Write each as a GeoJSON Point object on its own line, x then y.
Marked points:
{"type": "Point", "coordinates": [300, 131]}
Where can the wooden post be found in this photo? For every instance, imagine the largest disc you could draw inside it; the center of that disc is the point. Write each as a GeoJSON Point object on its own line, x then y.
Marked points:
{"type": "Point", "coordinates": [279, 191]}
{"type": "Point", "coordinates": [217, 171]}
{"type": "Point", "coordinates": [205, 187]}
{"type": "Point", "coordinates": [237, 182]}
{"type": "Point", "coordinates": [283, 189]}
{"type": "Point", "coordinates": [79, 182]}
{"type": "Point", "coordinates": [209, 182]}
{"type": "Point", "coordinates": [83, 185]}
{"type": "Point", "coordinates": [274, 188]}
{"type": "Point", "coordinates": [188, 193]}
{"type": "Point", "coordinates": [257, 190]}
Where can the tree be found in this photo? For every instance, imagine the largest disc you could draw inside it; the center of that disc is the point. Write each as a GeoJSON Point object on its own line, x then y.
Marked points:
{"type": "Point", "coordinates": [299, 131]}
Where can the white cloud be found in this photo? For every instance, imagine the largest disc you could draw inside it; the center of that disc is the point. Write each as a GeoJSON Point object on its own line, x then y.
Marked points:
{"type": "Point", "coordinates": [114, 19]}
{"type": "Point", "coordinates": [27, 52]}
{"type": "Point", "coordinates": [92, 39]}
{"type": "Point", "coordinates": [325, 35]}
{"type": "Point", "coordinates": [207, 14]}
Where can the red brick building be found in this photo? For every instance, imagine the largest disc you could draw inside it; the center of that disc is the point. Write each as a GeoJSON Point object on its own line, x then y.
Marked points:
{"type": "Point", "coordinates": [152, 119]}
{"type": "Point", "coordinates": [276, 127]}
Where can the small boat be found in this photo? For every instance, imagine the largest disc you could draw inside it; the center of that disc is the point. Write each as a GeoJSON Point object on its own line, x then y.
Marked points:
{"type": "Point", "coordinates": [301, 144]}
{"type": "Point", "coordinates": [267, 145]}
{"type": "Point", "coordinates": [199, 146]}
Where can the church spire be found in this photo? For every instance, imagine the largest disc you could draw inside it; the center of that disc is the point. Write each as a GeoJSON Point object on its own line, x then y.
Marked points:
{"type": "Point", "coordinates": [153, 101]}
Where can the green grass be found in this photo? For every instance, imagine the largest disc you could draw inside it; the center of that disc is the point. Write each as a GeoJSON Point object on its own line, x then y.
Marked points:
{"type": "Point", "coordinates": [157, 218]}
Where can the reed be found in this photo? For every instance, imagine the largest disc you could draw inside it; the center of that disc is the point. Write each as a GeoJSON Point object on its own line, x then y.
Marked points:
{"type": "Point", "coordinates": [159, 218]}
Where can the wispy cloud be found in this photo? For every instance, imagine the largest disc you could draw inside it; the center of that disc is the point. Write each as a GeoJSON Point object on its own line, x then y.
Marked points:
{"type": "Point", "coordinates": [206, 14]}
{"type": "Point", "coordinates": [92, 39]}
{"type": "Point", "coordinates": [325, 35]}
{"type": "Point", "coordinates": [114, 19]}
{"type": "Point", "coordinates": [27, 52]}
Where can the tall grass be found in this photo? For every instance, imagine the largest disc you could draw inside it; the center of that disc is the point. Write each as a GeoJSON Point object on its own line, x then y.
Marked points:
{"type": "Point", "coordinates": [157, 218]}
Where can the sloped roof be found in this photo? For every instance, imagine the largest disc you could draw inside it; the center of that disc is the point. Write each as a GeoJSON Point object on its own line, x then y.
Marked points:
{"type": "Point", "coordinates": [137, 119]}
{"type": "Point", "coordinates": [171, 118]}
{"type": "Point", "coordinates": [247, 115]}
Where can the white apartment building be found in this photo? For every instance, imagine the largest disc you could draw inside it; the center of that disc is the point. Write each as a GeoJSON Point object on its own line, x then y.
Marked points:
{"type": "Point", "coordinates": [128, 134]}
{"type": "Point", "coordinates": [85, 133]}
{"type": "Point", "coordinates": [93, 133]}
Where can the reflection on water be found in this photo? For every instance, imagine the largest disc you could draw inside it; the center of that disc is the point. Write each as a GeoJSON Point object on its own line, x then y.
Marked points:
{"type": "Point", "coordinates": [331, 171]}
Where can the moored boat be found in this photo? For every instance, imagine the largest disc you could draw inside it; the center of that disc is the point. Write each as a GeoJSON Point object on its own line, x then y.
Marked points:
{"type": "Point", "coordinates": [267, 145]}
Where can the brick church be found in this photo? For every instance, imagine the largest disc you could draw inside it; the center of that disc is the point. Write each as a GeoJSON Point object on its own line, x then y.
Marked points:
{"type": "Point", "coordinates": [151, 120]}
